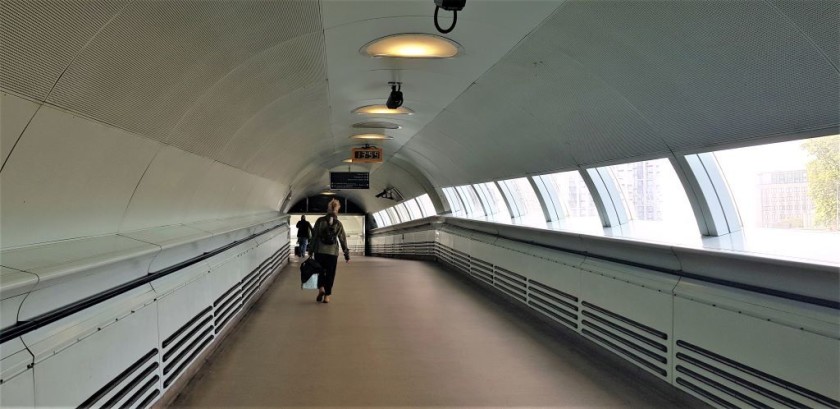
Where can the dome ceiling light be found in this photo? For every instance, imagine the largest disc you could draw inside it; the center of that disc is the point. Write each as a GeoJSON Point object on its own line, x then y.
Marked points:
{"type": "Point", "coordinates": [372, 136]}
{"type": "Point", "coordinates": [380, 109]}
{"type": "Point", "coordinates": [412, 46]}
{"type": "Point", "coordinates": [377, 125]}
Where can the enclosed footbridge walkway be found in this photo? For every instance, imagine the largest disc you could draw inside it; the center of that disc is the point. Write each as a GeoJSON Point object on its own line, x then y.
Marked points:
{"type": "Point", "coordinates": [402, 333]}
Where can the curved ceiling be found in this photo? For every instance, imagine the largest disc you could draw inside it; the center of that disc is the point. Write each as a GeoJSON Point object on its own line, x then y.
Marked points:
{"type": "Point", "coordinates": [268, 87]}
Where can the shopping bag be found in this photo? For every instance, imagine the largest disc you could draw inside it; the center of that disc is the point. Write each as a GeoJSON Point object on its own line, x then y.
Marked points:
{"type": "Point", "coordinates": [309, 269]}
{"type": "Point", "coordinates": [311, 284]}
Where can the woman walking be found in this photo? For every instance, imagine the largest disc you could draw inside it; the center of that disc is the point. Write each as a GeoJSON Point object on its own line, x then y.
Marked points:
{"type": "Point", "coordinates": [327, 234]}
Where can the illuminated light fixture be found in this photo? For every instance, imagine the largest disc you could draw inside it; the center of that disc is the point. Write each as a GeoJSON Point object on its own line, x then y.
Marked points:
{"type": "Point", "coordinates": [412, 45]}
{"type": "Point", "coordinates": [348, 160]}
{"type": "Point", "coordinates": [380, 109]}
{"type": "Point", "coordinates": [372, 136]}
{"type": "Point", "coordinates": [377, 125]}
{"type": "Point", "coordinates": [327, 193]}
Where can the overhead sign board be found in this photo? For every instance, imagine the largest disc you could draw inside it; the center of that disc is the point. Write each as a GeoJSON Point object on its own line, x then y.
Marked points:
{"type": "Point", "coordinates": [367, 155]}
{"type": "Point", "coordinates": [349, 180]}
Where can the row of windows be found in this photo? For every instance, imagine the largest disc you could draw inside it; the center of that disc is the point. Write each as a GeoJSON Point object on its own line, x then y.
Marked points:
{"type": "Point", "coordinates": [411, 209]}
{"type": "Point", "coordinates": [650, 193]}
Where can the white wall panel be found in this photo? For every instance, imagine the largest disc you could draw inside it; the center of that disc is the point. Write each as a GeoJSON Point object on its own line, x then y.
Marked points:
{"type": "Point", "coordinates": [646, 300]}
{"type": "Point", "coordinates": [219, 190]}
{"type": "Point", "coordinates": [69, 177]}
{"type": "Point", "coordinates": [760, 342]}
{"type": "Point", "coordinates": [164, 195]}
{"type": "Point", "coordinates": [179, 305]}
{"type": "Point", "coordinates": [70, 377]}
{"type": "Point", "coordinates": [225, 276]}
{"type": "Point", "coordinates": [18, 392]}
{"type": "Point", "coordinates": [15, 113]}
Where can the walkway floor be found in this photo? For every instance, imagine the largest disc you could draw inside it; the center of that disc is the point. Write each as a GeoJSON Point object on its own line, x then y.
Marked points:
{"type": "Point", "coordinates": [408, 334]}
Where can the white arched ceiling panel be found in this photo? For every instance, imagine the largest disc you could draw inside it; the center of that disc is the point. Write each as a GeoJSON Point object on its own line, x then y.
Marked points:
{"type": "Point", "coordinates": [69, 177]}
{"type": "Point", "coordinates": [587, 117]}
{"type": "Point", "coordinates": [247, 90]}
{"type": "Point", "coordinates": [15, 113]}
{"type": "Point", "coordinates": [155, 60]}
{"type": "Point", "coordinates": [287, 123]}
{"type": "Point", "coordinates": [678, 64]}
{"type": "Point", "coordinates": [164, 194]}
{"type": "Point", "coordinates": [39, 40]}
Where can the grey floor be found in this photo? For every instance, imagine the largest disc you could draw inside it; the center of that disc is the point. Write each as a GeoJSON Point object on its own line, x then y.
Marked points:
{"type": "Point", "coordinates": [408, 334]}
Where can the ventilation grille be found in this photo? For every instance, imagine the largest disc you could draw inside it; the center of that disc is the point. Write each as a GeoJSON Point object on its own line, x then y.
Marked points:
{"type": "Point", "coordinates": [481, 270]}
{"type": "Point", "coordinates": [643, 345]}
{"type": "Point", "coordinates": [251, 282]}
{"type": "Point", "coordinates": [511, 283]}
{"type": "Point", "coordinates": [136, 387]}
{"type": "Point", "coordinates": [226, 306]}
{"type": "Point", "coordinates": [728, 383]}
{"type": "Point", "coordinates": [555, 304]}
{"type": "Point", "coordinates": [180, 348]}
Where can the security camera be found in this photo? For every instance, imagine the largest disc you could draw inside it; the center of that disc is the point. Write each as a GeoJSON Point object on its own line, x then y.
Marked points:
{"type": "Point", "coordinates": [395, 99]}
{"type": "Point", "coordinates": [451, 5]}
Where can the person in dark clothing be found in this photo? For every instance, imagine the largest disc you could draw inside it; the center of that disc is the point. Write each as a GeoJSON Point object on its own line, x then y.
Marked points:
{"type": "Point", "coordinates": [304, 232]}
{"type": "Point", "coordinates": [327, 235]}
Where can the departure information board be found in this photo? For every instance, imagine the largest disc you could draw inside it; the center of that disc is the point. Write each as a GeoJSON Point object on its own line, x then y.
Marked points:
{"type": "Point", "coordinates": [349, 180]}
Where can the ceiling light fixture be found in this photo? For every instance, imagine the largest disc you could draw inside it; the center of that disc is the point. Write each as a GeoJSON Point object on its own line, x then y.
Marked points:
{"type": "Point", "coordinates": [377, 125]}
{"type": "Point", "coordinates": [412, 45]}
{"type": "Point", "coordinates": [372, 136]}
{"type": "Point", "coordinates": [328, 193]}
{"type": "Point", "coordinates": [380, 109]}
{"type": "Point", "coordinates": [348, 160]}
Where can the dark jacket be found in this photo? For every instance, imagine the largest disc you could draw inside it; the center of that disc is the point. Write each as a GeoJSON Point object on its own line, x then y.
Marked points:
{"type": "Point", "coordinates": [316, 245]}
{"type": "Point", "coordinates": [304, 229]}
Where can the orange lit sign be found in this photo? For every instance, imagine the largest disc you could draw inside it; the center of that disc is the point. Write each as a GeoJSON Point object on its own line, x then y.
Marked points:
{"type": "Point", "coordinates": [367, 155]}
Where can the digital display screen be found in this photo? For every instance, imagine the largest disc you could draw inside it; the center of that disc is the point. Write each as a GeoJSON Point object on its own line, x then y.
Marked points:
{"type": "Point", "coordinates": [349, 180]}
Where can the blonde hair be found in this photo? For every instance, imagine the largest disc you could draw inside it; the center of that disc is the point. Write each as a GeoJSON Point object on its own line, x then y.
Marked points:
{"type": "Point", "coordinates": [334, 206]}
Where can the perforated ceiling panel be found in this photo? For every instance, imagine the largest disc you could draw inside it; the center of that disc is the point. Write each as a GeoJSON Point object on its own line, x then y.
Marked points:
{"type": "Point", "coordinates": [611, 81]}
{"type": "Point", "coordinates": [819, 20]}
{"type": "Point", "coordinates": [247, 90]}
{"type": "Point", "coordinates": [38, 40]}
{"type": "Point", "coordinates": [159, 59]}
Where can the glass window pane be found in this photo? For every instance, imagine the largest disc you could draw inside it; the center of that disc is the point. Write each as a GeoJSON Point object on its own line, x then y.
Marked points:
{"type": "Point", "coordinates": [403, 212]}
{"type": "Point", "coordinates": [549, 195]}
{"type": "Point", "coordinates": [788, 185]}
{"type": "Point", "coordinates": [454, 202]}
{"type": "Point", "coordinates": [378, 218]}
{"type": "Point", "coordinates": [426, 205]}
{"type": "Point", "coordinates": [520, 192]}
{"type": "Point", "coordinates": [392, 214]}
{"type": "Point", "coordinates": [495, 202]}
{"type": "Point", "coordinates": [473, 204]}
{"type": "Point", "coordinates": [386, 219]}
{"type": "Point", "coordinates": [572, 202]}
{"type": "Point", "coordinates": [413, 209]}
{"type": "Point", "coordinates": [651, 191]}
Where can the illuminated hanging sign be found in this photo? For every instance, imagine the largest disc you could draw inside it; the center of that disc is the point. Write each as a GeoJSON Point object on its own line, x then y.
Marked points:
{"type": "Point", "coordinates": [366, 155]}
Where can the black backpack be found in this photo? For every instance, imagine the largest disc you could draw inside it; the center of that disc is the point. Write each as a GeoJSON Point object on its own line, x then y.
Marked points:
{"type": "Point", "coordinates": [330, 234]}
